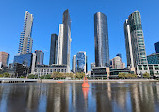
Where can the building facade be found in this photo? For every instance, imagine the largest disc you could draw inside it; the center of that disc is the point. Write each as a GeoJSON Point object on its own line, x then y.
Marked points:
{"type": "Point", "coordinates": [156, 47]}
{"type": "Point", "coordinates": [74, 64]}
{"type": "Point", "coordinates": [28, 60]}
{"type": "Point", "coordinates": [49, 69]}
{"type": "Point", "coordinates": [117, 63]}
{"type": "Point", "coordinates": [39, 57]}
{"type": "Point", "coordinates": [81, 62]}
{"type": "Point", "coordinates": [134, 41]}
{"type": "Point", "coordinates": [153, 58]}
{"type": "Point", "coordinates": [60, 44]}
{"type": "Point", "coordinates": [101, 40]}
{"type": "Point", "coordinates": [4, 58]}
{"type": "Point", "coordinates": [66, 47]}
{"type": "Point", "coordinates": [152, 69]}
{"type": "Point", "coordinates": [26, 41]}
{"type": "Point", "coordinates": [53, 49]}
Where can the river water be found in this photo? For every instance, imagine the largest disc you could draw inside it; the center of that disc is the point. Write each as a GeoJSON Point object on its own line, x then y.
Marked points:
{"type": "Point", "coordinates": [71, 97]}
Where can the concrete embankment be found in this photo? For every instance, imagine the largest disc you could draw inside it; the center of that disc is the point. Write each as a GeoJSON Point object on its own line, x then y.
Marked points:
{"type": "Point", "coordinates": [102, 81]}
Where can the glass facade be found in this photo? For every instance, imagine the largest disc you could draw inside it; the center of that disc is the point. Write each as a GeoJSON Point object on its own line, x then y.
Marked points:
{"type": "Point", "coordinates": [157, 47]}
{"type": "Point", "coordinates": [81, 62]}
{"type": "Point", "coordinates": [101, 40]}
{"type": "Point", "coordinates": [39, 57]}
{"type": "Point", "coordinates": [53, 49]}
{"type": "Point", "coordinates": [134, 40]}
{"type": "Point", "coordinates": [66, 38]}
{"type": "Point", "coordinates": [153, 58]}
{"type": "Point", "coordinates": [25, 59]}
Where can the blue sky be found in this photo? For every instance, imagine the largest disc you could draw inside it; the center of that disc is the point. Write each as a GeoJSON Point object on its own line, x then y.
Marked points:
{"type": "Point", "coordinates": [48, 16]}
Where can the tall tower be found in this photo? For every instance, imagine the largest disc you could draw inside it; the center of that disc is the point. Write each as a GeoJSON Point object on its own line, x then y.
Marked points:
{"type": "Point", "coordinates": [134, 40]}
{"type": "Point", "coordinates": [4, 57]}
{"type": "Point", "coordinates": [101, 40]}
{"type": "Point", "coordinates": [25, 44]}
{"type": "Point", "coordinates": [60, 44]}
{"type": "Point", "coordinates": [74, 64]}
{"type": "Point", "coordinates": [39, 57]}
{"type": "Point", "coordinates": [53, 49]}
{"type": "Point", "coordinates": [66, 39]}
{"type": "Point", "coordinates": [81, 61]}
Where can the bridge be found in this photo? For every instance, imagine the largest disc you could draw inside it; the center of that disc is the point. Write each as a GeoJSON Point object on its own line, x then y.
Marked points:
{"type": "Point", "coordinates": [16, 80]}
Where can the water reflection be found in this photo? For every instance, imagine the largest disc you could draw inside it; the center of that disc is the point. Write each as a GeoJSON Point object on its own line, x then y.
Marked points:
{"type": "Point", "coordinates": [71, 97]}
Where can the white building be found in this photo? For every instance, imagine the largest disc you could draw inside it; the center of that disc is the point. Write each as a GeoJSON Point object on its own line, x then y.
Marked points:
{"type": "Point", "coordinates": [74, 64]}
{"type": "Point", "coordinates": [117, 63]}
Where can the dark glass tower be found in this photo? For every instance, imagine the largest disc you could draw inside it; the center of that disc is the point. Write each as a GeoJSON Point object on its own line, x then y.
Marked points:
{"type": "Point", "coordinates": [66, 39]}
{"type": "Point", "coordinates": [157, 47]}
{"type": "Point", "coordinates": [101, 40]}
{"type": "Point", "coordinates": [39, 57]}
{"type": "Point", "coordinates": [53, 49]}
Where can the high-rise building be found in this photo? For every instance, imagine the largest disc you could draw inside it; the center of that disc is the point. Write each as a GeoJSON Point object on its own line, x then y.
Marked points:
{"type": "Point", "coordinates": [74, 64]}
{"type": "Point", "coordinates": [60, 43]}
{"type": "Point", "coordinates": [39, 57]}
{"type": "Point", "coordinates": [81, 62]}
{"type": "Point", "coordinates": [134, 41]}
{"type": "Point", "coordinates": [25, 44]}
{"type": "Point", "coordinates": [66, 39]}
{"type": "Point", "coordinates": [117, 63]}
{"type": "Point", "coordinates": [153, 58]}
{"type": "Point", "coordinates": [157, 47]}
{"type": "Point", "coordinates": [4, 57]}
{"type": "Point", "coordinates": [101, 40]}
{"type": "Point", "coordinates": [53, 49]}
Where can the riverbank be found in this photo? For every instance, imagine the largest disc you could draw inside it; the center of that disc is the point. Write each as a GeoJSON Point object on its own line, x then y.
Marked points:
{"type": "Point", "coordinates": [102, 81]}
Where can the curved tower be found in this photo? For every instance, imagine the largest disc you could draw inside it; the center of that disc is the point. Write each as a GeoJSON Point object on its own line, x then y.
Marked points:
{"type": "Point", "coordinates": [101, 40]}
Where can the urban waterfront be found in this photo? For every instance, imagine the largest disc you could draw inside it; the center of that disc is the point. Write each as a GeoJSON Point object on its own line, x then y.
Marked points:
{"type": "Point", "coordinates": [71, 97]}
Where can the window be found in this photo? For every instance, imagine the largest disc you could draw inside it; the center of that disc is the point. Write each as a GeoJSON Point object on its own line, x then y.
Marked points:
{"type": "Point", "coordinates": [140, 67]}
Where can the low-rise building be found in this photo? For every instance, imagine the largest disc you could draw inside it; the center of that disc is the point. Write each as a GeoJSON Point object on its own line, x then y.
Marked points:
{"type": "Point", "coordinates": [49, 69]}
{"type": "Point", "coordinates": [152, 69]}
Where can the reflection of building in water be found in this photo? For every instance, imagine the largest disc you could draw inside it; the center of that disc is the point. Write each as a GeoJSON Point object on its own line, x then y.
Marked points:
{"type": "Point", "coordinates": [109, 90]}
{"type": "Point", "coordinates": [102, 99]}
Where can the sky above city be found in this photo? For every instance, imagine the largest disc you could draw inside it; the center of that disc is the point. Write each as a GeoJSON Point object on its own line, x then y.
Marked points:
{"type": "Point", "coordinates": [48, 15]}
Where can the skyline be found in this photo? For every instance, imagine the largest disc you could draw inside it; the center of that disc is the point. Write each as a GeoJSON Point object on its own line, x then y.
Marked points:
{"type": "Point", "coordinates": [117, 46]}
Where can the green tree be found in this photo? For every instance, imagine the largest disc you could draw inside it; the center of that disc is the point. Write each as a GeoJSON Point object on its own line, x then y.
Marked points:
{"type": "Point", "coordinates": [1, 75]}
{"type": "Point", "coordinates": [80, 75]}
{"type": "Point", "coordinates": [6, 74]}
{"type": "Point", "coordinates": [122, 75]}
{"type": "Point", "coordinates": [146, 75]}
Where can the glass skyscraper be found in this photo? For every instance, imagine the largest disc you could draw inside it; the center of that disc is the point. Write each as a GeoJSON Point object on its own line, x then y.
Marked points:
{"type": "Point", "coordinates": [25, 44]}
{"type": "Point", "coordinates": [153, 58]}
{"type": "Point", "coordinates": [134, 41]}
{"type": "Point", "coordinates": [101, 40]}
{"type": "Point", "coordinates": [53, 49]}
{"type": "Point", "coordinates": [66, 46]}
{"type": "Point", "coordinates": [157, 47]}
{"type": "Point", "coordinates": [81, 62]}
{"type": "Point", "coordinates": [39, 57]}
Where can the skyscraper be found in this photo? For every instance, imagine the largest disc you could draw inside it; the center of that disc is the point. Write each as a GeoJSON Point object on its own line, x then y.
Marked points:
{"type": "Point", "coordinates": [25, 44]}
{"type": "Point", "coordinates": [101, 40]}
{"type": "Point", "coordinates": [39, 57]}
{"type": "Point", "coordinates": [60, 43]}
{"type": "Point", "coordinates": [134, 41]}
{"type": "Point", "coordinates": [66, 39]}
{"type": "Point", "coordinates": [74, 64]}
{"type": "Point", "coordinates": [81, 62]}
{"type": "Point", "coordinates": [157, 47]}
{"type": "Point", "coordinates": [4, 57]}
{"type": "Point", "coordinates": [53, 49]}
